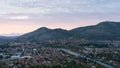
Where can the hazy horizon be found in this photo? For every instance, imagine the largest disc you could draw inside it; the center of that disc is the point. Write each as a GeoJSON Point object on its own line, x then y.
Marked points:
{"type": "Point", "coordinates": [22, 16]}
{"type": "Point", "coordinates": [18, 34]}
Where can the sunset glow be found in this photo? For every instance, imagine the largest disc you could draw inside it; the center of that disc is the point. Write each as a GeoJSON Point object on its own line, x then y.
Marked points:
{"type": "Point", "coordinates": [22, 16]}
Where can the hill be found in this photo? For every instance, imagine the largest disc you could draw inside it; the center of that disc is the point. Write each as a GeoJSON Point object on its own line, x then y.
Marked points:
{"type": "Point", "coordinates": [107, 30]}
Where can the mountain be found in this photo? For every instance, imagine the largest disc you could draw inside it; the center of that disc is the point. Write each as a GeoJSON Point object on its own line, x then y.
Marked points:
{"type": "Point", "coordinates": [5, 40]}
{"type": "Point", "coordinates": [103, 31]}
{"type": "Point", "coordinates": [44, 34]}
{"type": "Point", "coordinates": [106, 30]}
{"type": "Point", "coordinates": [2, 37]}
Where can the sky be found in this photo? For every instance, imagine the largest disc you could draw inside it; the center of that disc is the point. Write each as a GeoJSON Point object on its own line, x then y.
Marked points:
{"type": "Point", "coordinates": [21, 16]}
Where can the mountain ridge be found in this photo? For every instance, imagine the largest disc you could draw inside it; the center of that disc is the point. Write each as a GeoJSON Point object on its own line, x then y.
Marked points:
{"type": "Point", "coordinates": [107, 30]}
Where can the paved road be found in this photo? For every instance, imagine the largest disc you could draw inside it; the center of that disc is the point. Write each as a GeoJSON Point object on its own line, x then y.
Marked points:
{"type": "Point", "coordinates": [81, 55]}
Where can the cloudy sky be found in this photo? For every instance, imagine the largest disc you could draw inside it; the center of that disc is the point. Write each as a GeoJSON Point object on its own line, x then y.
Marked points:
{"type": "Point", "coordinates": [22, 16]}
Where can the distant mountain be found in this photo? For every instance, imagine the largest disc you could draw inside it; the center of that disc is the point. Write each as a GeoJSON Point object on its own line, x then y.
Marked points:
{"type": "Point", "coordinates": [103, 31]}
{"type": "Point", "coordinates": [4, 39]}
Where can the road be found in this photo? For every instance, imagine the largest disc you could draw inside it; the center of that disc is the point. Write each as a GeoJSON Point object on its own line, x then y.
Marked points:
{"type": "Point", "coordinates": [81, 55]}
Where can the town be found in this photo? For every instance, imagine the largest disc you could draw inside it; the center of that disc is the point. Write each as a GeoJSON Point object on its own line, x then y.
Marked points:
{"type": "Point", "coordinates": [26, 56]}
